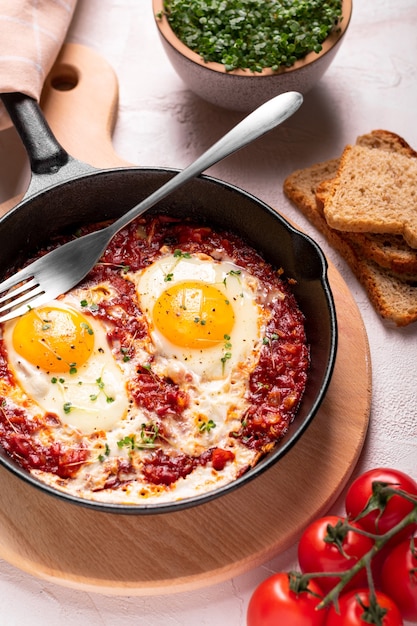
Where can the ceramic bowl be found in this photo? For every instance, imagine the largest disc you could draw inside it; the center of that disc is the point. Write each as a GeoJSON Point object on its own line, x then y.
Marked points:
{"type": "Point", "coordinates": [241, 90]}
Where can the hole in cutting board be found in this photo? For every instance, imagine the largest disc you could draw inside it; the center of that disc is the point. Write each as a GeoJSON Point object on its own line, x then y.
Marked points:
{"type": "Point", "coordinates": [64, 78]}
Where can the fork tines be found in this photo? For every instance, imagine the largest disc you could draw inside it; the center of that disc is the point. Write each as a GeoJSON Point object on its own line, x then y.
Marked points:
{"type": "Point", "coordinates": [16, 300]}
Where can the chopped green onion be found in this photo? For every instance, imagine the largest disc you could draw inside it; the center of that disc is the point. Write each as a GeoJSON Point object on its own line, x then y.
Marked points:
{"type": "Point", "coordinates": [253, 34]}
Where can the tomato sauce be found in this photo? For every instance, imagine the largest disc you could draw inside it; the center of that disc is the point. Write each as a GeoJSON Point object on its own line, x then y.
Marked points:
{"type": "Point", "coordinates": [276, 385]}
{"type": "Point", "coordinates": [16, 435]}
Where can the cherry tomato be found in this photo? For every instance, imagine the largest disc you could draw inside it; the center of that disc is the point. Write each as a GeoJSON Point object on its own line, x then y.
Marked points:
{"type": "Point", "coordinates": [399, 578]}
{"type": "Point", "coordinates": [274, 603]}
{"type": "Point", "coordinates": [360, 491]}
{"type": "Point", "coordinates": [356, 604]}
{"type": "Point", "coordinates": [317, 555]}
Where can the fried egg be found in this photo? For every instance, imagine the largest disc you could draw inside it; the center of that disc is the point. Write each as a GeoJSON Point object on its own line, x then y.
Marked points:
{"type": "Point", "coordinates": [62, 361]}
{"type": "Point", "coordinates": [202, 314]}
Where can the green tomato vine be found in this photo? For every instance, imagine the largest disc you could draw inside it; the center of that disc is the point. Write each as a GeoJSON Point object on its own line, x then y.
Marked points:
{"type": "Point", "coordinates": [382, 493]}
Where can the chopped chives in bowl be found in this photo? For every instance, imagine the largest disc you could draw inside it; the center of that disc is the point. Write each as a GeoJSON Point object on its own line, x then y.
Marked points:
{"type": "Point", "coordinates": [253, 34]}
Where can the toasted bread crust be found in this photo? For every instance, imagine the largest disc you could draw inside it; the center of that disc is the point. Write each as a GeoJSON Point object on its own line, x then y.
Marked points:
{"type": "Point", "coordinates": [386, 140]}
{"type": "Point", "coordinates": [374, 192]}
{"type": "Point", "coordinates": [389, 251]}
{"type": "Point", "coordinates": [393, 296]}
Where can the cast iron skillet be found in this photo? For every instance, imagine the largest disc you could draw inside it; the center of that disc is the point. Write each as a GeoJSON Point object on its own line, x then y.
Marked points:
{"type": "Point", "coordinates": [66, 193]}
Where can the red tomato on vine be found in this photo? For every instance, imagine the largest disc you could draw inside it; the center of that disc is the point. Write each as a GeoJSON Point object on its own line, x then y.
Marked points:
{"type": "Point", "coordinates": [399, 578]}
{"type": "Point", "coordinates": [317, 553]}
{"type": "Point", "coordinates": [382, 512]}
{"type": "Point", "coordinates": [357, 609]}
{"type": "Point", "coordinates": [273, 602]}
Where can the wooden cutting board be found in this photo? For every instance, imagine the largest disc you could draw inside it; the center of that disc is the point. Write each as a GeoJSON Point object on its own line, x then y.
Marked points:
{"type": "Point", "coordinates": [144, 555]}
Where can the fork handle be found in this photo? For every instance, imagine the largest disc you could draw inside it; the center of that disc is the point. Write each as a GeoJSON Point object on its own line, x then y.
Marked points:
{"type": "Point", "coordinates": [46, 155]}
{"type": "Point", "coordinates": [257, 123]}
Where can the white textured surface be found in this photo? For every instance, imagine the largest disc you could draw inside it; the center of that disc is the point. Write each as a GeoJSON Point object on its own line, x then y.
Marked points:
{"type": "Point", "coordinates": [371, 84]}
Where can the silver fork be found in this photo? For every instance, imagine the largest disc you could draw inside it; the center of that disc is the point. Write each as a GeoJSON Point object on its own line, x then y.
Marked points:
{"type": "Point", "coordinates": [59, 270]}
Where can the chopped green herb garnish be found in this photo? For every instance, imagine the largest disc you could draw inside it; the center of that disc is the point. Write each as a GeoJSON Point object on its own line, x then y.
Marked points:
{"type": "Point", "coordinates": [106, 452]}
{"type": "Point", "coordinates": [226, 347]}
{"type": "Point", "coordinates": [235, 273]}
{"type": "Point", "coordinates": [101, 385]}
{"type": "Point", "coordinates": [127, 442]}
{"type": "Point", "coordinates": [121, 266]}
{"type": "Point", "coordinates": [178, 255]}
{"type": "Point", "coordinates": [148, 434]}
{"type": "Point", "coordinates": [182, 255]}
{"type": "Point", "coordinates": [92, 306]}
{"type": "Point", "coordinates": [207, 426]}
{"type": "Point", "coordinates": [125, 352]}
{"type": "Point", "coordinates": [253, 34]}
{"type": "Point", "coordinates": [267, 339]}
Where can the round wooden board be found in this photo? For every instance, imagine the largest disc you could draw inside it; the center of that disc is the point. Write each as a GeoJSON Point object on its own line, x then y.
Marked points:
{"type": "Point", "coordinates": [145, 555]}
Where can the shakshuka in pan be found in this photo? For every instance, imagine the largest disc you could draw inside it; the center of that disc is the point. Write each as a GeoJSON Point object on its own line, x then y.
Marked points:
{"type": "Point", "coordinates": [176, 364]}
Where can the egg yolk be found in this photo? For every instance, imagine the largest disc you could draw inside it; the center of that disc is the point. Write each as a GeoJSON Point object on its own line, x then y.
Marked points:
{"type": "Point", "coordinates": [193, 315]}
{"type": "Point", "coordinates": [54, 339]}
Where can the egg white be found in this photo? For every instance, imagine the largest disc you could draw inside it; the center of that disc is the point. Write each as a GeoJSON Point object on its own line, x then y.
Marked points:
{"type": "Point", "coordinates": [238, 287]}
{"type": "Point", "coordinates": [91, 399]}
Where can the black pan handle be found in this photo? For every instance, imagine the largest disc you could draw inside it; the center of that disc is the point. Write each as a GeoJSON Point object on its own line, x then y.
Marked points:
{"type": "Point", "coordinates": [49, 162]}
{"type": "Point", "coordinates": [46, 155]}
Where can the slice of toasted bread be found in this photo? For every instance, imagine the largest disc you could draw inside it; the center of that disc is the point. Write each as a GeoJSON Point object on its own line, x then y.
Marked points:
{"type": "Point", "coordinates": [386, 140]}
{"type": "Point", "coordinates": [393, 298]}
{"type": "Point", "coordinates": [389, 251]}
{"type": "Point", "coordinates": [374, 191]}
